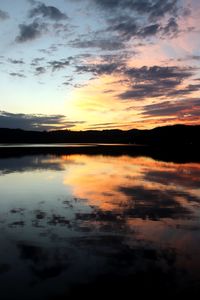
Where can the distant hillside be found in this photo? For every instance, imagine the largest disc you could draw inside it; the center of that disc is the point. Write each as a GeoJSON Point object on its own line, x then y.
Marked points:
{"type": "Point", "coordinates": [176, 135]}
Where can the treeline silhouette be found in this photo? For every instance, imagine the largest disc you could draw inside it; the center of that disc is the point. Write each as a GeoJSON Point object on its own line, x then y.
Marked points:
{"type": "Point", "coordinates": [176, 135]}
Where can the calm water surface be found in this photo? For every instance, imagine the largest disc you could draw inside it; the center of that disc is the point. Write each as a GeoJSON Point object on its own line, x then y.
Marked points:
{"type": "Point", "coordinates": [83, 224]}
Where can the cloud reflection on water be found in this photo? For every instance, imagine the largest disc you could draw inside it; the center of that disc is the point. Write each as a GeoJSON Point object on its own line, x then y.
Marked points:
{"type": "Point", "coordinates": [82, 221]}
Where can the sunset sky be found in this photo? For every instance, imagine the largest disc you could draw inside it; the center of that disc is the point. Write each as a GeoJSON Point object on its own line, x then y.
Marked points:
{"type": "Point", "coordinates": [99, 64]}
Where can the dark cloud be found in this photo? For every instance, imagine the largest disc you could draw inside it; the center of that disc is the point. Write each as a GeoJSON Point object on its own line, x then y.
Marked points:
{"type": "Point", "coordinates": [103, 44]}
{"type": "Point", "coordinates": [66, 83]}
{"type": "Point", "coordinates": [40, 70]}
{"type": "Point", "coordinates": [3, 15]}
{"type": "Point", "coordinates": [154, 9]}
{"type": "Point", "coordinates": [36, 61]}
{"type": "Point", "coordinates": [194, 57]}
{"type": "Point", "coordinates": [57, 65]}
{"type": "Point", "coordinates": [109, 4]}
{"type": "Point", "coordinates": [171, 28]}
{"type": "Point", "coordinates": [30, 32]}
{"type": "Point", "coordinates": [186, 58]}
{"type": "Point", "coordinates": [189, 107]}
{"type": "Point", "coordinates": [60, 28]}
{"type": "Point", "coordinates": [15, 74]}
{"type": "Point", "coordinates": [141, 82]}
{"type": "Point", "coordinates": [159, 73]}
{"type": "Point", "coordinates": [33, 2]}
{"type": "Point", "coordinates": [16, 61]}
{"type": "Point", "coordinates": [149, 30]}
{"type": "Point", "coordinates": [50, 50]}
{"type": "Point", "coordinates": [139, 18]}
{"type": "Point", "coordinates": [50, 12]}
{"type": "Point", "coordinates": [159, 8]}
{"type": "Point", "coordinates": [128, 28]}
{"type": "Point", "coordinates": [141, 91]}
{"type": "Point", "coordinates": [108, 63]}
{"type": "Point", "coordinates": [120, 57]}
{"type": "Point", "coordinates": [99, 69]}
{"type": "Point", "coordinates": [35, 122]}
{"type": "Point", "coordinates": [185, 91]}
{"type": "Point", "coordinates": [144, 80]}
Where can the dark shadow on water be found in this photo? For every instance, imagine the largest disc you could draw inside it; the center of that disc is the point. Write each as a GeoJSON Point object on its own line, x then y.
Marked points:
{"type": "Point", "coordinates": [152, 284]}
{"type": "Point", "coordinates": [44, 263]}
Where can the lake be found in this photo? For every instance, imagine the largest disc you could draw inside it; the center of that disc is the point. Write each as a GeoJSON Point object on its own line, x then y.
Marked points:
{"type": "Point", "coordinates": [98, 225]}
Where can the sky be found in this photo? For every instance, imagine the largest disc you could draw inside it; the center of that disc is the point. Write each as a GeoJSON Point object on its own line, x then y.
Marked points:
{"type": "Point", "coordinates": [99, 64]}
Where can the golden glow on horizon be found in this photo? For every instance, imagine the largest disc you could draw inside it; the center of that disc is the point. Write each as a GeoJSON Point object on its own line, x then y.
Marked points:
{"type": "Point", "coordinates": [97, 103]}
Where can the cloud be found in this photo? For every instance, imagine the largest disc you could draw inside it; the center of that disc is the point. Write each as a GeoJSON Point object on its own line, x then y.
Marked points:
{"type": "Point", "coordinates": [149, 30]}
{"type": "Point", "coordinates": [61, 28]}
{"type": "Point", "coordinates": [185, 91]}
{"type": "Point", "coordinates": [159, 73]}
{"type": "Point", "coordinates": [141, 91]}
{"type": "Point", "coordinates": [106, 64]}
{"type": "Point", "coordinates": [159, 8]}
{"type": "Point", "coordinates": [49, 51]}
{"type": "Point", "coordinates": [15, 74]}
{"type": "Point", "coordinates": [194, 57]}
{"type": "Point", "coordinates": [154, 81]}
{"type": "Point", "coordinates": [16, 61]}
{"type": "Point", "coordinates": [154, 9]}
{"type": "Point", "coordinates": [189, 107]}
{"type": "Point", "coordinates": [59, 64]}
{"type": "Point", "coordinates": [3, 15]}
{"type": "Point", "coordinates": [186, 58]}
{"type": "Point", "coordinates": [36, 61]}
{"type": "Point", "coordinates": [140, 18]}
{"type": "Point", "coordinates": [171, 28]}
{"type": "Point", "coordinates": [40, 70]}
{"type": "Point", "coordinates": [105, 126]}
{"type": "Point", "coordinates": [35, 122]}
{"type": "Point", "coordinates": [30, 32]}
{"type": "Point", "coordinates": [141, 82]}
{"type": "Point", "coordinates": [101, 43]}
{"type": "Point", "coordinates": [49, 12]}
{"type": "Point", "coordinates": [128, 27]}
{"type": "Point", "coordinates": [99, 69]}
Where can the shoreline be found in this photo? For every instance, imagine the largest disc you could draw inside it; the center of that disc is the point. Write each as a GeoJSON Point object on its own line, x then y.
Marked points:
{"type": "Point", "coordinates": [181, 154]}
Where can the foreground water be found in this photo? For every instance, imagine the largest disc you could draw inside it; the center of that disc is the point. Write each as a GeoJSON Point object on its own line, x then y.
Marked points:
{"type": "Point", "coordinates": [98, 225]}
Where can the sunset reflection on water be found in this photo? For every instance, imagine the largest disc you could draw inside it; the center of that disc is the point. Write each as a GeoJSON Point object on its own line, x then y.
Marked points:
{"type": "Point", "coordinates": [86, 220]}
{"type": "Point", "coordinates": [112, 183]}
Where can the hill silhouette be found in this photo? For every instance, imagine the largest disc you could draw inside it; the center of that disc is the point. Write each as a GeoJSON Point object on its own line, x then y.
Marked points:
{"type": "Point", "coordinates": [175, 135]}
